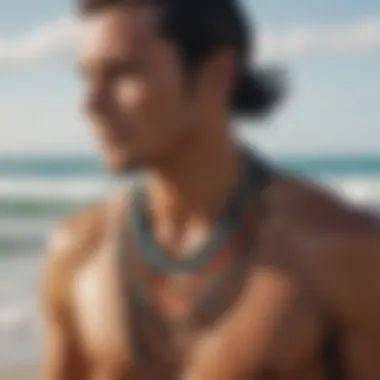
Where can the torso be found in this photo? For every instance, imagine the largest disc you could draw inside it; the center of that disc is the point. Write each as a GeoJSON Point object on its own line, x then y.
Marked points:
{"type": "Point", "coordinates": [295, 351]}
{"type": "Point", "coordinates": [124, 339]}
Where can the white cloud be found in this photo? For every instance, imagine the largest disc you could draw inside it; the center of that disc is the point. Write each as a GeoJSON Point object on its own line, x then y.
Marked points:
{"type": "Point", "coordinates": [335, 40]}
{"type": "Point", "coordinates": [38, 44]}
{"type": "Point", "coordinates": [55, 38]}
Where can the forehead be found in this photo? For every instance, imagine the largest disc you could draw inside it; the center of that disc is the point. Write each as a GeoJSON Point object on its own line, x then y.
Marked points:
{"type": "Point", "coordinates": [119, 32]}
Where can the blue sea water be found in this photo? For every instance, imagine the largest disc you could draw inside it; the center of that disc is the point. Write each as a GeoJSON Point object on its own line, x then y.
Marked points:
{"type": "Point", "coordinates": [88, 166]}
{"type": "Point", "coordinates": [35, 192]}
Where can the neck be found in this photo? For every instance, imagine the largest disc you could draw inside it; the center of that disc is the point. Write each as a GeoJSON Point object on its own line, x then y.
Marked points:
{"type": "Point", "coordinates": [192, 187]}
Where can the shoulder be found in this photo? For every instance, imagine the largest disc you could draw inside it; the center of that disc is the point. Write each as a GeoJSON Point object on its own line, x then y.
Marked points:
{"type": "Point", "coordinates": [75, 237]}
{"type": "Point", "coordinates": [331, 241]}
{"type": "Point", "coordinates": [317, 211]}
{"type": "Point", "coordinates": [70, 246]}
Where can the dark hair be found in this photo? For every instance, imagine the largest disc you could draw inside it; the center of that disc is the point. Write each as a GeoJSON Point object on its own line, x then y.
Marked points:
{"type": "Point", "coordinates": [200, 27]}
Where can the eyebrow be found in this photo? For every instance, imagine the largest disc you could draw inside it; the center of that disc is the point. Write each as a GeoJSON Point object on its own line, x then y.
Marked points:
{"type": "Point", "coordinates": [109, 65]}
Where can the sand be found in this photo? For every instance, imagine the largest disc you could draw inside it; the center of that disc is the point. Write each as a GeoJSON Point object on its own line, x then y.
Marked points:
{"type": "Point", "coordinates": [18, 373]}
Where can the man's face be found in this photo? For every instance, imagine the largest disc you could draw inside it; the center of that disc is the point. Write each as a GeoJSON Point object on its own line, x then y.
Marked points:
{"type": "Point", "coordinates": [136, 94]}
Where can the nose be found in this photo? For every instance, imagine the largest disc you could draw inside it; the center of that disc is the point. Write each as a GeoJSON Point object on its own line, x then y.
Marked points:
{"type": "Point", "coordinates": [98, 98]}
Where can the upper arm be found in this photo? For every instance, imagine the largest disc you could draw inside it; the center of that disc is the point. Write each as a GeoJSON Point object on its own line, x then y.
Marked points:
{"type": "Point", "coordinates": [339, 246]}
{"type": "Point", "coordinates": [61, 360]}
{"type": "Point", "coordinates": [356, 285]}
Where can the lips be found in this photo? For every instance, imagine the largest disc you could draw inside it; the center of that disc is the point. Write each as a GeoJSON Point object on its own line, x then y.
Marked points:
{"type": "Point", "coordinates": [111, 134]}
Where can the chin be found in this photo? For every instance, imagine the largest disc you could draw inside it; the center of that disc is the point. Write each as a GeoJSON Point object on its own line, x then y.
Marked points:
{"type": "Point", "coordinates": [123, 164]}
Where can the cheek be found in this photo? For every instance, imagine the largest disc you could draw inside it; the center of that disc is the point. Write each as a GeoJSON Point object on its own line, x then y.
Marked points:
{"type": "Point", "coordinates": [140, 101]}
{"type": "Point", "coordinates": [169, 101]}
{"type": "Point", "coordinates": [131, 95]}
{"type": "Point", "coordinates": [150, 103]}
{"type": "Point", "coordinates": [153, 109]}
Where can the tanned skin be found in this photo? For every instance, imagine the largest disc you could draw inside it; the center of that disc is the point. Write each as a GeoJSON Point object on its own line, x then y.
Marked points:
{"type": "Point", "coordinates": [316, 259]}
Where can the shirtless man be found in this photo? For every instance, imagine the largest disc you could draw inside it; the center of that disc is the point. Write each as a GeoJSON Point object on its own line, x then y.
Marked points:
{"type": "Point", "coordinates": [170, 283]}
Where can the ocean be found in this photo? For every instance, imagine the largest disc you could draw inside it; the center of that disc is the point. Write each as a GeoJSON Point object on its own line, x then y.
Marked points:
{"type": "Point", "coordinates": [36, 192]}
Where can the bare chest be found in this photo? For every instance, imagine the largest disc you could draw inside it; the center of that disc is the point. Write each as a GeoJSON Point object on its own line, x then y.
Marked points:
{"type": "Point", "coordinates": [107, 331]}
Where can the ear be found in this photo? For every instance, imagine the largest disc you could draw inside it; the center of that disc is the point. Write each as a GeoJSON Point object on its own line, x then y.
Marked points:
{"type": "Point", "coordinates": [222, 69]}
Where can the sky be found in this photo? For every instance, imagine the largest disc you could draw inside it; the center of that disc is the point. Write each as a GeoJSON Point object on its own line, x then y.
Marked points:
{"type": "Point", "coordinates": [329, 48]}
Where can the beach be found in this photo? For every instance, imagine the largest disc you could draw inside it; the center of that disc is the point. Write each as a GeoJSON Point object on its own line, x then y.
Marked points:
{"type": "Point", "coordinates": [36, 193]}
{"type": "Point", "coordinates": [19, 372]}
